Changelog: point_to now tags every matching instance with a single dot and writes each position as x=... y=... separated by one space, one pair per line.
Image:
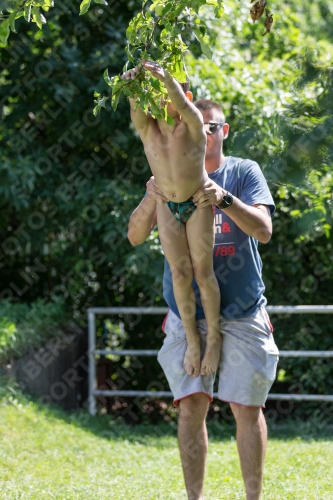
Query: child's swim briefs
x=183 y=210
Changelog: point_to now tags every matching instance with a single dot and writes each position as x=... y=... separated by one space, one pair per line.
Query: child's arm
x=138 y=116
x=183 y=105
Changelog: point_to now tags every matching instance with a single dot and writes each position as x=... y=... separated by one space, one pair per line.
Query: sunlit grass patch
x=46 y=453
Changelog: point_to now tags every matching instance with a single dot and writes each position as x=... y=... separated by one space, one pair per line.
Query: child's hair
x=206 y=105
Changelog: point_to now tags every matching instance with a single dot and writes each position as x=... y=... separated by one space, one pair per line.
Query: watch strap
x=227 y=200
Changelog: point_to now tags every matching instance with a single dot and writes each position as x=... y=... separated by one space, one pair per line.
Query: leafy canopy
x=163 y=33
x=10 y=10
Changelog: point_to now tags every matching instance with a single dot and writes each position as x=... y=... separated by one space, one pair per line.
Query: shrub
x=25 y=328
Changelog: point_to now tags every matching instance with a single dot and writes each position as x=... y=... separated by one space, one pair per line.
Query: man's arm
x=183 y=105
x=253 y=220
x=143 y=219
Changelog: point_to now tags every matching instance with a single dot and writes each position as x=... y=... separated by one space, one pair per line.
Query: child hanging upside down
x=176 y=156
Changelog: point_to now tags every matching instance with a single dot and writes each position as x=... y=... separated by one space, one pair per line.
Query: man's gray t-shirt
x=237 y=262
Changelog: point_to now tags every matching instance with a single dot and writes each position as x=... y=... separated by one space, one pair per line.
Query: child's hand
x=156 y=70
x=131 y=74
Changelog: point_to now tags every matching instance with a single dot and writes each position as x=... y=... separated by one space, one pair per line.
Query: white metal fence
x=93 y=311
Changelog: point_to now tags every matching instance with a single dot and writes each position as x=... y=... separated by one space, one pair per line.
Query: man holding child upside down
x=176 y=155
x=242 y=204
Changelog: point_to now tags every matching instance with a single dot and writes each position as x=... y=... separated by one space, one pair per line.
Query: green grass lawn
x=48 y=454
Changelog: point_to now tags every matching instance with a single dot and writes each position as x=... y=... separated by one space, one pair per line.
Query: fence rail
x=93 y=392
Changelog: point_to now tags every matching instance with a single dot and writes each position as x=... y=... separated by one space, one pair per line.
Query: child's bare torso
x=176 y=156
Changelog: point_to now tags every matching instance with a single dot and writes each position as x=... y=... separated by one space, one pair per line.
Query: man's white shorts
x=248 y=360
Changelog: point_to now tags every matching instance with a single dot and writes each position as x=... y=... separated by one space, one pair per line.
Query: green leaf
x=130 y=53
x=219 y=10
x=165 y=113
x=117 y=86
x=196 y=4
x=153 y=5
x=155 y=110
x=167 y=9
x=134 y=86
x=38 y=17
x=144 y=102
x=295 y=213
x=84 y=6
x=204 y=43
x=27 y=13
x=128 y=92
x=178 y=10
x=156 y=84
x=11 y=20
x=178 y=72
x=129 y=32
x=170 y=120
x=107 y=79
x=96 y=110
x=46 y=4
x=327 y=229
x=4 y=31
x=115 y=100
x=102 y=2
x=116 y=83
x=100 y=103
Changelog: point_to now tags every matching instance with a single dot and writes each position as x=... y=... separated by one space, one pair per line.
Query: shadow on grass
x=104 y=426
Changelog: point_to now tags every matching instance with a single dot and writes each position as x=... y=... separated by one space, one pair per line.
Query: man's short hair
x=206 y=105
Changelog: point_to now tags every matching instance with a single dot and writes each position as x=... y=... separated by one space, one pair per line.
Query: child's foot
x=192 y=359
x=211 y=358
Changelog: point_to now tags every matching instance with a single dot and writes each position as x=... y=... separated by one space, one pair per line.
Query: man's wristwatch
x=226 y=201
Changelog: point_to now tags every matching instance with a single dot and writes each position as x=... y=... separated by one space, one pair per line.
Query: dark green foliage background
x=277 y=93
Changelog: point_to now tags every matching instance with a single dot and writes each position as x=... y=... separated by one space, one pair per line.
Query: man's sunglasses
x=210 y=128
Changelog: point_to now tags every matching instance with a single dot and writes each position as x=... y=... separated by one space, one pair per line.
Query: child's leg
x=176 y=251
x=200 y=238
